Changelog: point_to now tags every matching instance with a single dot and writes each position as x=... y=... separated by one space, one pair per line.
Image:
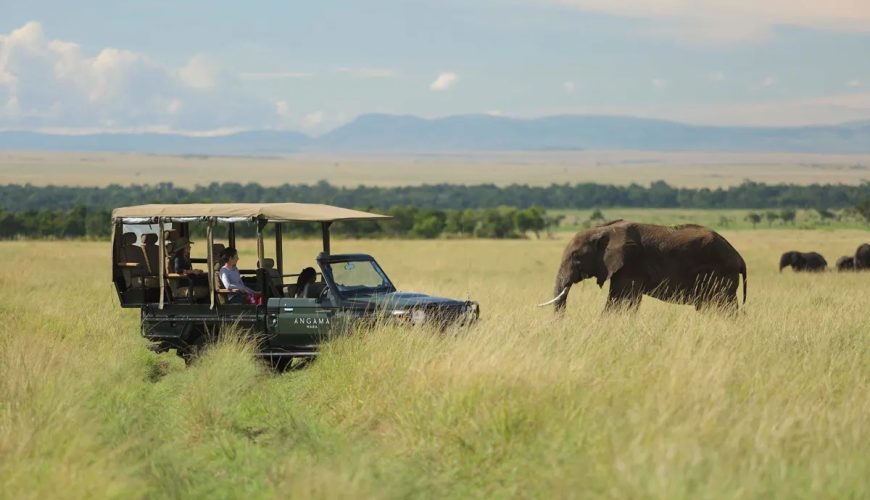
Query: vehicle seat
x=179 y=285
x=151 y=253
x=216 y=250
x=221 y=292
x=170 y=236
x=275 y=282
x=134 y=277
x=195 y=293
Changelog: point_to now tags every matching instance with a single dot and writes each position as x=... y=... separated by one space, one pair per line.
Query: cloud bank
x=736 y=20
x=47 y=83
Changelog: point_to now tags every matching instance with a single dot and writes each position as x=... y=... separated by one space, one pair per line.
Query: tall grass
x=663 y=403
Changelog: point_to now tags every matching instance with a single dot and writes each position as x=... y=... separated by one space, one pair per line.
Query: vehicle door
x=298 y=322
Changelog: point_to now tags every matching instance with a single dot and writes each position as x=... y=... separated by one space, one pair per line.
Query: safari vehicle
x=177 y=313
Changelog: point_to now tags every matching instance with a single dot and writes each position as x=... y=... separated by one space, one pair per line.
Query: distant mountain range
x=392 y=133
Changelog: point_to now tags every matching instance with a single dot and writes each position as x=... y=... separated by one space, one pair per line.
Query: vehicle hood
x=399 y=300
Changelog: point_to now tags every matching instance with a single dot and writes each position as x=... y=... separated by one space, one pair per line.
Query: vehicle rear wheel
x=188 y=354
x=281 y=363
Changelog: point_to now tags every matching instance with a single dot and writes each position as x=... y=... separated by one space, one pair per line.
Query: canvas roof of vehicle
x=310 y=212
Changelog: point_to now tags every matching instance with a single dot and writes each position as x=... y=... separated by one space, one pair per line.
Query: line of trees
x=78 y=222
x=501 y=222
x=749 y=195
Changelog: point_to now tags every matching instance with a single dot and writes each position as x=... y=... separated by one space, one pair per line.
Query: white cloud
x=47 y=83
x=768 y=81
x=283 y=109
x=569 y=87
x=173 y=107
x=198 y=73
x=313 y=119
x=12 y=107
x=368 y=72
x=735 y=20
x=276 y=75
x=716 y=76
x=658 y=83
x=444 y=82
x=853 y=83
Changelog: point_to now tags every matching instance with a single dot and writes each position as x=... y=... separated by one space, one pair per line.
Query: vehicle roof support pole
x=210 y=271
x=261 y=251
x=325 y=227
x=231 y=235
x=161 y=256
x=279 y=247
x=116 y=251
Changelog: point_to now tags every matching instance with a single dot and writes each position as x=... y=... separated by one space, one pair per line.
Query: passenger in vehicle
x=180 y=263
x=304 y=281
x=231 y=278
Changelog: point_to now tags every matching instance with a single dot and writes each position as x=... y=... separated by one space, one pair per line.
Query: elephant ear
x=613 y=245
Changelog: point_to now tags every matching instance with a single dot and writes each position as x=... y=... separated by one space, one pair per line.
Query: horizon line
x=231 y=131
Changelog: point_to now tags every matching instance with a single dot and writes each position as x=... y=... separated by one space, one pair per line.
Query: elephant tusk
x=557 y=297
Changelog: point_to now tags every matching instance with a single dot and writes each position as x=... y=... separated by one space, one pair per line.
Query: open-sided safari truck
x=179 y=312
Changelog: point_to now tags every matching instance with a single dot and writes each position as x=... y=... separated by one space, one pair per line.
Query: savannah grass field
x=720 y=219
x=540 y=168
x=662 y=403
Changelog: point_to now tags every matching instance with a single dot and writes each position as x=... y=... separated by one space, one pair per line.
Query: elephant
x=862 y=257
x=846 y=263
x=803 y=261
x=686 y=264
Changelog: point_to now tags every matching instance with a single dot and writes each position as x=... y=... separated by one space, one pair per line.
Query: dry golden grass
x=685 y=169
x=663 y=403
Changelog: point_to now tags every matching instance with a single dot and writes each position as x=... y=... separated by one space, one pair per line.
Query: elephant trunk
x=564 y=280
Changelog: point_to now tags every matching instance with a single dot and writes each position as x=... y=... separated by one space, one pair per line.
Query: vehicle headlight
x=413 y=316
x=418 y=316
x=472 y=312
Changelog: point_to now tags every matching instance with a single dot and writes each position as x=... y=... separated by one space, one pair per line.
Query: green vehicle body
x=351 y=290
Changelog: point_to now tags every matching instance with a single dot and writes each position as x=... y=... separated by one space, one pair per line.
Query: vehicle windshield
x=359 y=276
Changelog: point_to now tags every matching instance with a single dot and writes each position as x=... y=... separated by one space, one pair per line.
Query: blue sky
x=211 y=67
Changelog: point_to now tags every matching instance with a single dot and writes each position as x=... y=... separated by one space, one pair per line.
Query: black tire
x=281 y=363
x=189 y=354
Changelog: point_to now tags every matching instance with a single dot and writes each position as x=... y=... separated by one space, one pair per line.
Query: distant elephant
x=846 y=263
x=803 y=261
x=686 y=264
x=862 y=257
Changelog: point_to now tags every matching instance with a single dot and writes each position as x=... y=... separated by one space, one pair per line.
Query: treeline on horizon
x=406 y=222
x=429 y=211
x=659 y=194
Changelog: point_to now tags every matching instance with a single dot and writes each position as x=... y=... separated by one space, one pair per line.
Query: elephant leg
x=624 y=295
x=721 y=303
x=718 y=292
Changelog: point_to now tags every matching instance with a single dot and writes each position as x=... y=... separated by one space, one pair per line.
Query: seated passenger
x=304 y=281
x=232 y=279
x=180 y=264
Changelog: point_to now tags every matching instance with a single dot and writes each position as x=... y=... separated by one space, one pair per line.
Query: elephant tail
x=743 y=273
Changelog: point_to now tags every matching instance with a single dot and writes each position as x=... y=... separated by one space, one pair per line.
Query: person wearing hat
x=180 y=263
